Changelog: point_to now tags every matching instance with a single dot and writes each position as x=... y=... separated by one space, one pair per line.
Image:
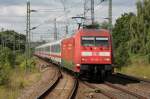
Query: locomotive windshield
x=88 y=41
x=95 y=41
x=101 y=41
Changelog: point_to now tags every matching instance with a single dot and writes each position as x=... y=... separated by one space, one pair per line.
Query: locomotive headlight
x=83 y=59
x=107 y=59
x=77 y=64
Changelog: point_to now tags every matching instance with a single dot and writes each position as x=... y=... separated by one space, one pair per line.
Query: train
x=87 y=53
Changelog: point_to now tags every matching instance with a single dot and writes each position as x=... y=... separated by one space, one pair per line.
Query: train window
x=52 y=48
x=101 y=41
x=47 y=49
x=88 y=41
x=55 y=48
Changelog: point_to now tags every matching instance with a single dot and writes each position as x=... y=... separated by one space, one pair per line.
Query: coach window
x=88 y=41
x=52 y=48
x=47 y=48
x=101 y=41
x=57 y=48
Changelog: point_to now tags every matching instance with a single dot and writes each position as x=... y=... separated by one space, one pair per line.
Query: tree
x=133 y=31
x=121 y=37
x=10 y=38
x=5 y=64
x=140 y=29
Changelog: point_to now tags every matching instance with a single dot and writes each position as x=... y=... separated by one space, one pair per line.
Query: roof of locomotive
x=84 y=30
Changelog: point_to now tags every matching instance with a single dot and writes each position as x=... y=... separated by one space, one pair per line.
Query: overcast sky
x=12 y=12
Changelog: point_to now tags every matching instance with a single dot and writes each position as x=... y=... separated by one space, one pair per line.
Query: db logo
x=95 y=53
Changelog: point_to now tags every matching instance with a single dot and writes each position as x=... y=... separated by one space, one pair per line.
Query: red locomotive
x=88 y=52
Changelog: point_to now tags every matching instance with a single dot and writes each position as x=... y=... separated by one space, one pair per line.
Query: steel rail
x=124 y=90
x=74 y=89
x=53 y=84
x=100 y=90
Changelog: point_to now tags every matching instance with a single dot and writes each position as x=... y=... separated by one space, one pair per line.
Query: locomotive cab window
x=94 y=41
x=101 y=41
x=88 y=41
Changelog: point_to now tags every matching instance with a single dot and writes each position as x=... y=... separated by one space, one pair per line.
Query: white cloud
x=13 y=10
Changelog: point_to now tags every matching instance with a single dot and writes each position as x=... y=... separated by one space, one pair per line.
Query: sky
x=13 y=14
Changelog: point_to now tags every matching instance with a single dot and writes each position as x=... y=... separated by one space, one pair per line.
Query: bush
x=6 y=61
x=6 y=56
x=121 y=56
x=29 y=64
x=4 y=74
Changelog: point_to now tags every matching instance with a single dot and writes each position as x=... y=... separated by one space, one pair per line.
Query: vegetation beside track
x=14 y=79
x=17 y=82
x=139 y=67
x=131 y=35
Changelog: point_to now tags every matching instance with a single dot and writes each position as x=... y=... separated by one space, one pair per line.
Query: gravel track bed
x=85 y=92
x=115 y=92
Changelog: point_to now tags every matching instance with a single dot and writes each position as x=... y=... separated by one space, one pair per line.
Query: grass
x=7 y=93
x=17 y=83
x=139 y=67
x=136 y=70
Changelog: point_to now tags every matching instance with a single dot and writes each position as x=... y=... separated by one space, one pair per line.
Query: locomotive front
x=95 y=53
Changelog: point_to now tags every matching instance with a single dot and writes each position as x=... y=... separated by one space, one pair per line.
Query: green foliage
x=121 y=33
x=131 y=34
x=122 y=56
x=6 y=56
x=11 y=38
x=140 y=29
x=5 y=64
x=28 y=65
x=4 y=74
x=121 y=36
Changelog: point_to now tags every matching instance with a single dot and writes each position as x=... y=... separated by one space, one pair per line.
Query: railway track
x=137 y=87
x=64 y=88
x=63 y=85
x=138 y=96
x=112 y=91
x=99 y=90
x=114 y=88
x=52 y=84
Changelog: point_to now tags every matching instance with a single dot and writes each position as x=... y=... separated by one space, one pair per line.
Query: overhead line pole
x=66 y=25
x=92 y=12
x=110 y=15
x=27 y=34
x=29 y=29
x=14 y=51
x=85 y=11
x=55 y=29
